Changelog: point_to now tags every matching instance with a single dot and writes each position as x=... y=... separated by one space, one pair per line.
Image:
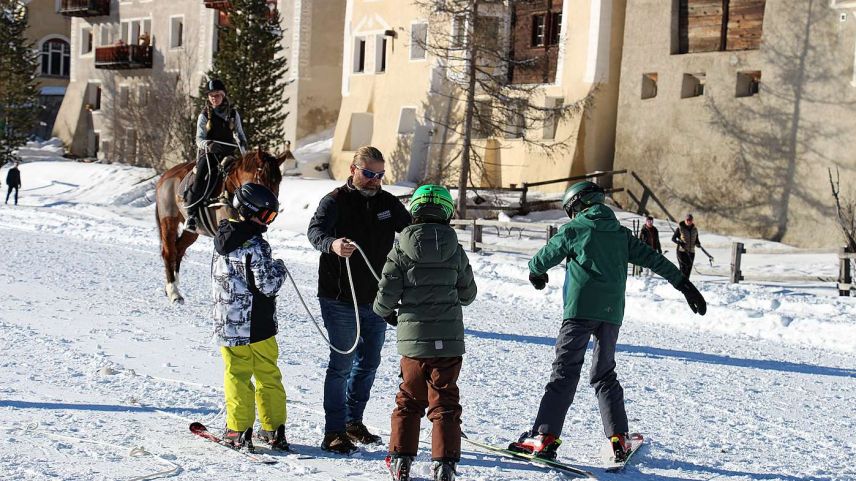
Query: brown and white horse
x=255 y=166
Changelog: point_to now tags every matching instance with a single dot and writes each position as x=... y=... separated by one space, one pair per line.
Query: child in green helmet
x=427 y=278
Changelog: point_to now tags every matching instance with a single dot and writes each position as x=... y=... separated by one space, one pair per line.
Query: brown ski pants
x=428 y=383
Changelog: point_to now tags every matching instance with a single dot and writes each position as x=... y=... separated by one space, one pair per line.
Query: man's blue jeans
x=350 y=377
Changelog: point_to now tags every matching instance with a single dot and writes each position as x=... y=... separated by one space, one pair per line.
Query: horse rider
x=219 y=134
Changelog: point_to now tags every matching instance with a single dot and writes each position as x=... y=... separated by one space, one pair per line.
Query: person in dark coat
x=362 y=213
x=649 y=235
x=686 y=237
x=13 y=180
x=219 y=134
x=426 y=279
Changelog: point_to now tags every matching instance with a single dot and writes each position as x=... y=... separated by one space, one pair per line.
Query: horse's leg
x=181 y=245
x=169 y=252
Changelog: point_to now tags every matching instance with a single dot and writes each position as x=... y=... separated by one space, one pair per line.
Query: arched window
x=56 y=58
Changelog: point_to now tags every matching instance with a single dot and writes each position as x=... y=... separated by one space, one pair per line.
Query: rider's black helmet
x=255 y=200
x=215 y=84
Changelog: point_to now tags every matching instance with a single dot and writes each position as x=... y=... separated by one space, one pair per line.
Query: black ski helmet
x=581 y=196
x=215 y=84
x=255 y=200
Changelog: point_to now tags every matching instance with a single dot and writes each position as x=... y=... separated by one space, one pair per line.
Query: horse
x=255 y=166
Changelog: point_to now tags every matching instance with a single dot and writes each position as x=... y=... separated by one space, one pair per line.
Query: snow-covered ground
x=100 y=375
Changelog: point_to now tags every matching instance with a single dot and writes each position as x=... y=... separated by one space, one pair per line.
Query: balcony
x=120 y=57
x=218 y=4
x=84 y=8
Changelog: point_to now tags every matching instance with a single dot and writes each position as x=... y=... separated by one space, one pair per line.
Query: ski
x=572 y=471
x=612 y=466
x=200 y=430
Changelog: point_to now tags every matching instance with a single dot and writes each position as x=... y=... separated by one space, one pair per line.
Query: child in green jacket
x=427 y=277
x=597 y=249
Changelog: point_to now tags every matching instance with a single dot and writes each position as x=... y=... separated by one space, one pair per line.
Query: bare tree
x=154 y=121
x=477 y=102
x=846 y=210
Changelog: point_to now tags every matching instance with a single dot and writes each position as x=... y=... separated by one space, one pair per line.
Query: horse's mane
x=266 y=164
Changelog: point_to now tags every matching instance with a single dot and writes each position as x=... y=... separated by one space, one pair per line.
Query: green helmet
x=581 y=196
x=432 y=201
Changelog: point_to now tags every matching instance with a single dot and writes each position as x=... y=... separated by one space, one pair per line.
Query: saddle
x=216 y=196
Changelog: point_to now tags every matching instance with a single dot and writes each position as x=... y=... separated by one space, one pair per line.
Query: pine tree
x=250 y=64
x=19 y=106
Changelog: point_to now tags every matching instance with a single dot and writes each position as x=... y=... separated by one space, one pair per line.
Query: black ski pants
x=206 y=163
x=559 y=394
x=10 y=192
x=685 y=262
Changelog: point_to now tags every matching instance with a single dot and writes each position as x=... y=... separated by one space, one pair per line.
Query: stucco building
x=49 y=32
x=734 y=110
x=147 y=55
x=393 y=89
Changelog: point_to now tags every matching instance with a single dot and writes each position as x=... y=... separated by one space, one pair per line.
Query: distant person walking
x=13 y=180
x=650 y=237
x=686 y=237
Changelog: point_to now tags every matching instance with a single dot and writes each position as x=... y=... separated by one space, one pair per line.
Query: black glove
x=392 y=319
x=694 y=297
x=538 y=281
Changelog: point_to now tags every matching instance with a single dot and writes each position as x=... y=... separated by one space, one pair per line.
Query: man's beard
x=368 y=192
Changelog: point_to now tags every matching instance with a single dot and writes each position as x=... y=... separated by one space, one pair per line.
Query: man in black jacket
x=358 y=212
x=13 y=180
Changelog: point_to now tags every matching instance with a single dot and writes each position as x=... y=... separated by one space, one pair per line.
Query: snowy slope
x=97 y=362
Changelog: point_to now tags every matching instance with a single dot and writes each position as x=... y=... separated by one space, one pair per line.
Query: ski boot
x=620 y=446
x=274 y=439
x=399 y=466
x=359 y=433
x=542 y=445
x=239 y=440
x=444 y=471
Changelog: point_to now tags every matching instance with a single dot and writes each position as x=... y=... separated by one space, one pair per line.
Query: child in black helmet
x=246 y=279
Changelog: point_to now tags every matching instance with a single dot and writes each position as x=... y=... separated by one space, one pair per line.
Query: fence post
x=523 y=200
x=637 y=270
x=477 y=236
x=551 y=231
x=737 y=252
x=844 y=278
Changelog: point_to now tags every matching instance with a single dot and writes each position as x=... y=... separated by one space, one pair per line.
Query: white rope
x=353 y=297
x=134 y=452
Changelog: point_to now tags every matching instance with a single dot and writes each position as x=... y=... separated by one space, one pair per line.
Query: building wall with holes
x=736 y=114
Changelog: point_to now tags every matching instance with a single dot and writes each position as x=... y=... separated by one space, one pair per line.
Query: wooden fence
x=844 y=280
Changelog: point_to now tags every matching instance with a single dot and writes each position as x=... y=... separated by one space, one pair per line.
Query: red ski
x=200 y=430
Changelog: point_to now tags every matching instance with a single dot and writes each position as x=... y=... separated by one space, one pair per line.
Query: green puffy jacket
x=597 y=249
x=427 y=277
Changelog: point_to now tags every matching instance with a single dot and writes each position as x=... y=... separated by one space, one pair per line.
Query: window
x=176 y=32
x=555 y=28
x=551 y=121
x=418 y=40
x=137 y=32
x=516 y=118
x=380 y=54
x=123 y=96
x=459 y=31
x=539 y=30
x=482 y=121
x=85 y=40
x=359 y=55
x=143 y=94
x=56 y=58
x=711 y=26
x=105 y=36
x=649 y=85
x=693 y=85
x=748 y=83
x=93 y=96
x=407 y=121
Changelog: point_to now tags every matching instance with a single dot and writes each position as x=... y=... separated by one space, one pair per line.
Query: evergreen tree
x=249 y=62
x=19 y=106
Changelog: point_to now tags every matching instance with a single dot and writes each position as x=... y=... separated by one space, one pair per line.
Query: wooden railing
x=844 y=280
x=84 y=8
x=123 y=57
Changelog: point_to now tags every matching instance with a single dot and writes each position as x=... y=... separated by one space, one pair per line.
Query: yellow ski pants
x=242 y=363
